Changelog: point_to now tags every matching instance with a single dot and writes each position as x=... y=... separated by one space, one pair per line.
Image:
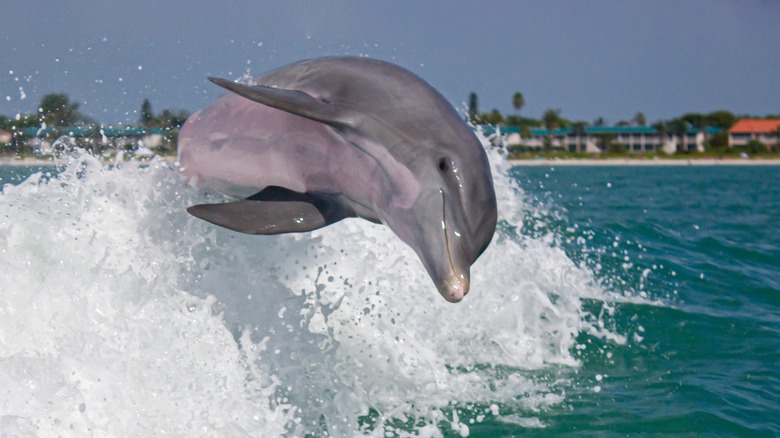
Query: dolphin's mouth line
x=444 y=230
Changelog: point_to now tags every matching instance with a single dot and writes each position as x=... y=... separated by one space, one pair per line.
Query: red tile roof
x=757 y=126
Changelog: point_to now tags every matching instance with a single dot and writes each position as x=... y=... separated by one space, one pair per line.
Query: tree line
x=57 y=110
x=552 y=119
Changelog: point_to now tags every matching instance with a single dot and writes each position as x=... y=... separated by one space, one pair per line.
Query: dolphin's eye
x=445 y=164
x=452 y=174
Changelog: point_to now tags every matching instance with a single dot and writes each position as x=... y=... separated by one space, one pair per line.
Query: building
x=763 y=130
x=597 y=139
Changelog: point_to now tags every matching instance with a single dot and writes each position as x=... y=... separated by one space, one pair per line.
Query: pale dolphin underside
x=325 y=139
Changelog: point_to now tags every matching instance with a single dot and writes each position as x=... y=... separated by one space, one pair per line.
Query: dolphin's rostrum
x=324 y=139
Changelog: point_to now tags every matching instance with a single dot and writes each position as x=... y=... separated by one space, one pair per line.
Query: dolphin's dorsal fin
x=275 y=210
x=292 y=101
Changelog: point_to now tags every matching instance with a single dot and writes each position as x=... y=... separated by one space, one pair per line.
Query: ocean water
x=702 y=244
x=613 y=301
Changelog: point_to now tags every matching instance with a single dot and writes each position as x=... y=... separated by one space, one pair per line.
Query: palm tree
x=551 y=120
x=147 y=115
x=57 y=110
x=518 y=101
x=473 y=109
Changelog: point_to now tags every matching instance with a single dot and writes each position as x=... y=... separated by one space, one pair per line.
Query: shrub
x=756 y=147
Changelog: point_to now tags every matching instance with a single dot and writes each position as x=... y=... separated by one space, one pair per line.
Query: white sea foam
x=120 y=315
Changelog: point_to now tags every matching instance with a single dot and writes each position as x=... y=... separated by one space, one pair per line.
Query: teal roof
x=87 y=132
x=560 y=132
x=647 y=130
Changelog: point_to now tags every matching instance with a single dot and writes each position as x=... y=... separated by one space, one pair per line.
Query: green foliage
x=756 y=147
x=16 y=127
x=147 y=115
x=719 y=141
x=517 y=149
x=473 y=107
x=678 y=127
x=662 y=128
x=515 y=120
x=578 y=128
x=494 y=117
x=518 y=101
x=552 y=119
x=56 y=109
x=693 y=119
x=167 y=119
x=172 y=119
x=617 y=148
x=58 y=112
x=722 y=119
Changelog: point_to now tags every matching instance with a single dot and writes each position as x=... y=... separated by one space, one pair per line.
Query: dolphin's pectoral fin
x=275 y=210
x=292 y=101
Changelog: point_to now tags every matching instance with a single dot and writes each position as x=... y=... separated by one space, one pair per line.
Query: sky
x=586 y=58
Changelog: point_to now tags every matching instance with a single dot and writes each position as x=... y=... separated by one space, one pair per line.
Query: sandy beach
x=648 y=162
x=5 y=161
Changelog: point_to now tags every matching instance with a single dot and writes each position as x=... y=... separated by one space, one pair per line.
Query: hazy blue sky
x=587 y=58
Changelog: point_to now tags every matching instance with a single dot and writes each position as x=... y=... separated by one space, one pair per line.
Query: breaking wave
x=121 y=315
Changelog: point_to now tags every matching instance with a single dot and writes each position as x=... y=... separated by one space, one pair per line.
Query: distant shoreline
x=30 y=162
x=59 y=162
x=648 y=162
x=529 y=163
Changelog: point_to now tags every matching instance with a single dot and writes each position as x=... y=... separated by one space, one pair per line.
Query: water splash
x=122 y=315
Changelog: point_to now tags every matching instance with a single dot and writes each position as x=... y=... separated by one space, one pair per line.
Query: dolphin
x=330 y=138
